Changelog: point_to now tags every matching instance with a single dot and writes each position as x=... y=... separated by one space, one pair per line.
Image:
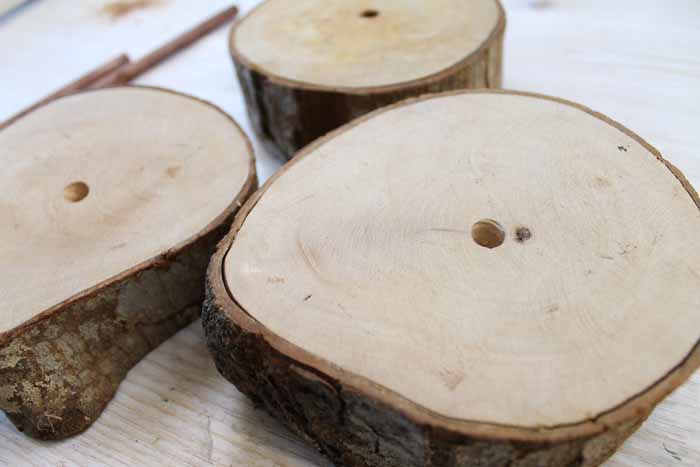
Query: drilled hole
x=76 y=191
x=488 y=233
x=369 y=14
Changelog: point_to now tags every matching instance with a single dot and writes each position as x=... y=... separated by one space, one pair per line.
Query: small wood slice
x=309 y=66
x=477 y=278
x=113 y=202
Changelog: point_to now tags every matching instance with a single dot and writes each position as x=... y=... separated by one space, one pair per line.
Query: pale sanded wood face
x=96 y=183
x=364 y=253
x=360 y=43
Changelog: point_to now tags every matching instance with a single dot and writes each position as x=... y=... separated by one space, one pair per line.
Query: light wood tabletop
x=637 y=61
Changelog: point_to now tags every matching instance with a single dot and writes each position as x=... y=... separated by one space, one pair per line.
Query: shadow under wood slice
x=308 y=68
x=464 y=279
x=111 y=233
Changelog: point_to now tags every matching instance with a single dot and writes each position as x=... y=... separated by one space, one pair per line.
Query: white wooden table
x=638 y=61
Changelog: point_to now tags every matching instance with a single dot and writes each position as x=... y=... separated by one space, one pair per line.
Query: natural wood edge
x=267 y=368
x=353 y=428
x=60 y=369
x=287 y=115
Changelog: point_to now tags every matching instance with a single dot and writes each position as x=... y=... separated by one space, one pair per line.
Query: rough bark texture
x=286 y=117
x=58 y=373
x=353 y=430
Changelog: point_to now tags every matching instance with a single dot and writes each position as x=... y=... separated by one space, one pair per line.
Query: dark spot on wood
x=173 y=171
x=672 y=453
x=602 y=182
x=119 y=9
x=307 y=298
x=369 y=13
x=628 y=248
x=118 y=247
x=522 y=234
x=622 y=148
x=610 y=258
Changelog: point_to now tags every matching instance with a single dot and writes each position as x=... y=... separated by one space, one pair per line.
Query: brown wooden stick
x=106 y=69
x=139 y=67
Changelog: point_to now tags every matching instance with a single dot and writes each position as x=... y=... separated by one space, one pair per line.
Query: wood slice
x=476 y=278
x=310 y=66
x=113 y=202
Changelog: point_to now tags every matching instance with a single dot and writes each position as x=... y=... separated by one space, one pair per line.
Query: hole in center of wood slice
x=76 y=192
x=488 y=233
x=369 y=13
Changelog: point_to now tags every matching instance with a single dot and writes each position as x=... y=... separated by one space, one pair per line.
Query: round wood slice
x=112 y=203
x=477 y=278
x=306 y=67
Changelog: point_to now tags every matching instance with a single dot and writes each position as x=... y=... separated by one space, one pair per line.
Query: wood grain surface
x=634 y=60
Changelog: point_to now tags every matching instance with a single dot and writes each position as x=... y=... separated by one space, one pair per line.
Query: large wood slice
x=471 y=279
x=112 y=203
x=309 y=66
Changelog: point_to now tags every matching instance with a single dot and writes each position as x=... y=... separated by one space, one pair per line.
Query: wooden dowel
x=139 y=67
x=84 y=82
